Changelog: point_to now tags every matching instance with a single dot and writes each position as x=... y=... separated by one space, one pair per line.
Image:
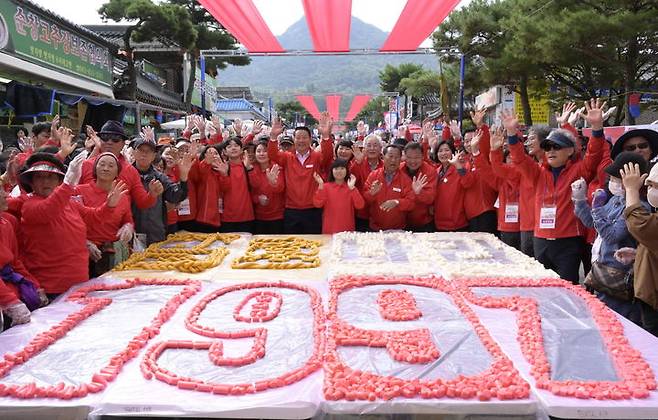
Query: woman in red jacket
x=267 y=183
x=107 y=242
x=338 y=197
x=209 y=185
x=53 y=227
x=20 y=293
x=238 y=211
x=452 y=181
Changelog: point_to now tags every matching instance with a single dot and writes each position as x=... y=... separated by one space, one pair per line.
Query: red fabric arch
x=243 y=20
x=358 y=103
x=329 y=24
x=308 y=103
x=418 y=20
x=333 y=106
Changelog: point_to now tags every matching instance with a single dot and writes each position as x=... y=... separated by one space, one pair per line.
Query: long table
x=93 y=341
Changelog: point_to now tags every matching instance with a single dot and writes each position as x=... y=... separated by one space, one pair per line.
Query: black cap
x=650 y=135
x=138 y=141
x=624 y=158
x=558 y=137
x=113 y=129
x=286 y=139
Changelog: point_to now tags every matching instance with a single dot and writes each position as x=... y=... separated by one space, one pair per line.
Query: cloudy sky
x=279 y=14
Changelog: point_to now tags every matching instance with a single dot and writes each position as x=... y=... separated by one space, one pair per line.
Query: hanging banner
x=36 y=37
x=539 y=108
x=210 y=90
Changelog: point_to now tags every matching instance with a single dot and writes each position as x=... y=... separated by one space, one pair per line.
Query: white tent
x=174 y=125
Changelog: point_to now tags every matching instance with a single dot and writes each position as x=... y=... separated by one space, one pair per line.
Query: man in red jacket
x=300 y=215
x=388 y=193
x=112 y=138
x=423 y=183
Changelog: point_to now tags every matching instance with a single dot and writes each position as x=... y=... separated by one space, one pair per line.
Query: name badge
x=512 y=213
x=547 y=216
x=309 y=166
x=395 y=189
x=184 y=208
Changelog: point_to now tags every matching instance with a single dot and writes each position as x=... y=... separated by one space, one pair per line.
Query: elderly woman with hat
x=54 y=227
x=609 y=277
x=113 y=138
x=107 y=242
x=643 y=225
x=642 y=141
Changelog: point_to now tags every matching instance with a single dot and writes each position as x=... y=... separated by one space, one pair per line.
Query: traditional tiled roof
x=114 y=35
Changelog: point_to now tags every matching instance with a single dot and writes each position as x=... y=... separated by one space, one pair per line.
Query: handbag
x=611 y=281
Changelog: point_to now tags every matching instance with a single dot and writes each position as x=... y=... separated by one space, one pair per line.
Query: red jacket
x=558 y=194
x=129 y=175
x=339 y=203
x=508 y=191
x=361 y=171
x=449 y=213
x=420 y=215
x=172 y=211
x=276 y=197
x=399 y=189
x=300 y=184
x=53 y=235
x=482 y=196
x=9 y=294
x=237 y=199
x=526 y=190
x=94 y=196
x=209 y=184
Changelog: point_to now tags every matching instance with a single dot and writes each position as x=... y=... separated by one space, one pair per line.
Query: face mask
x=616 y=188
x=652 y=196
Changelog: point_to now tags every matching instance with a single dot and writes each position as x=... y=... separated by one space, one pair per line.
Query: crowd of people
x=74 y=209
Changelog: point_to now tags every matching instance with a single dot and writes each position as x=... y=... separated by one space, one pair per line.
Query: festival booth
x=225 y=325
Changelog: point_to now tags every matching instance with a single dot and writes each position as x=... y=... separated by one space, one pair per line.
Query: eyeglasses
x=632 y=147
x=113 y=140
x=551 y=146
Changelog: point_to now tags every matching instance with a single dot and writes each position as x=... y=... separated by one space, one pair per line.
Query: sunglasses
x=551 y=146
x=632 y=147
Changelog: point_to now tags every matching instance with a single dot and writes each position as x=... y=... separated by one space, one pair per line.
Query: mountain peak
x=362 y=36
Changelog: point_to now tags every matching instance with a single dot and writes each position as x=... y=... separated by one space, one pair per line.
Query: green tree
x=391 y=77
x=292 y=111
x=480 y=32
x=211 y=35
x=586 y=47
x=148 y=21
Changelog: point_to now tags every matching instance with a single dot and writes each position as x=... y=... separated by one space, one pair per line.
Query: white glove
x=74 y=172
x=18 y=313
x=126 y=232
x=94 y=253
x=579 y=190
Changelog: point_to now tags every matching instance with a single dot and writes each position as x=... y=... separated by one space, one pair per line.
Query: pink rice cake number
x=412 y=346
x=258 y=306
x=398 y=305
x=636 y=377
x=92 y=305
